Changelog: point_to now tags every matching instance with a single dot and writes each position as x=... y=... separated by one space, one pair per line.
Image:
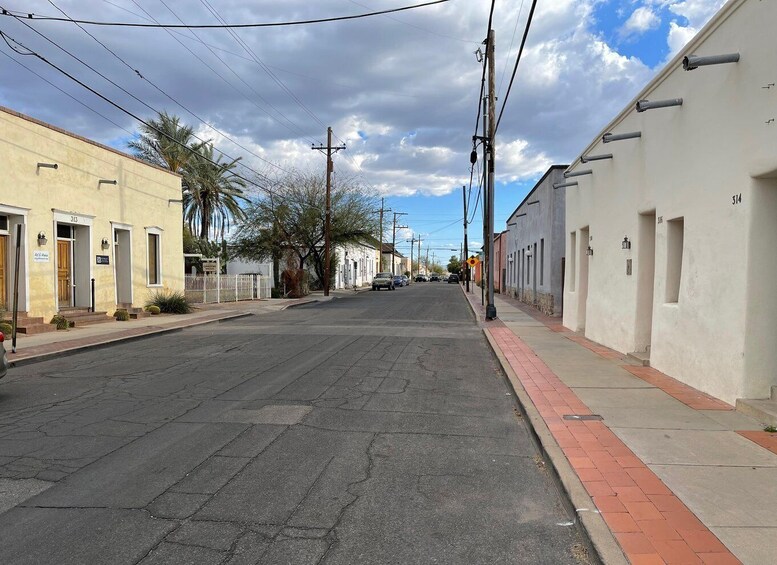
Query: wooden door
x=3 y=271
x=63 y=273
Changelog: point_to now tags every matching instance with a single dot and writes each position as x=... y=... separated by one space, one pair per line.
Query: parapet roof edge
x=84 y=139
x=537 y=185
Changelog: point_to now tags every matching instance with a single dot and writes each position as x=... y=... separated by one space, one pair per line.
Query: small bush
x=170 y=302
x=153 y=310
x=275 y=292
x=6 y=328
x=60 y=321
x=121 y=315
x=770 y=429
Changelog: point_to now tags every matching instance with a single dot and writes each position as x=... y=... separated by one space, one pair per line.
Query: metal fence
x=210 y=289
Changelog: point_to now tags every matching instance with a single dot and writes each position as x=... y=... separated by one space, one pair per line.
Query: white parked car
x=3 y=358
x=383 y=280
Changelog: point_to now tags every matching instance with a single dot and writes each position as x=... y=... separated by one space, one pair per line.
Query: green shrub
x=6 y=328
x=153 y=310
x=169 y=302
x=275 y=293
x=60 y=321
x=121 y=315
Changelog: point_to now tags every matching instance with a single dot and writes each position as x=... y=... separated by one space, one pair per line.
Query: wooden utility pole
x=465 y=255
x=328 y=219
x=394 y=238
x=380 y=251
x=490 y=306
x=419 y=255
x=412 y=244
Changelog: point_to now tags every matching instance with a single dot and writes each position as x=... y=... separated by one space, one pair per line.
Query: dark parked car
x=420 y=278
x=398 y=280
x=3 y=358
x=435 y=278
x=453 y=279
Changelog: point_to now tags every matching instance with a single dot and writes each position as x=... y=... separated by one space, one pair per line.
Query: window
x=675 y=235
x=542 y=262
x=3 y=223
x=154 y=265
x=572 y=260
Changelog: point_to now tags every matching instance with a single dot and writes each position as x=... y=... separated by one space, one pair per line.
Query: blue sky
x=399 y=90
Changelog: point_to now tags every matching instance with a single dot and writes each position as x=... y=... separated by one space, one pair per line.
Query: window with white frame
x=154 y=256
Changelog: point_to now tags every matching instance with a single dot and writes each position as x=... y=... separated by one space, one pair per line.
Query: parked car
x=3 y=358
x=453 y=279
x=405 y=280
x=434 y=278
x=420 y=278
x=383 y=280
x=398 y=280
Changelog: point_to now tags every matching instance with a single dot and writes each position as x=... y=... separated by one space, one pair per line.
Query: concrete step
x=134 y=312
x=83 y=317
x=642 y=357
x=32 y=329
x=30 y=325
x=764 y=410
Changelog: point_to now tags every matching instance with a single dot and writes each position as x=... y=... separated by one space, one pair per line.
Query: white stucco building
x=356 y=266
x=696 y=197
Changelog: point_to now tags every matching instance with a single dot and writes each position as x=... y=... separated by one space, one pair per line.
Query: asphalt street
x=375 y=428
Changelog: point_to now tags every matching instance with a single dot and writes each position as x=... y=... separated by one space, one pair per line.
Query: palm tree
x=165 y=143
x=212 y=198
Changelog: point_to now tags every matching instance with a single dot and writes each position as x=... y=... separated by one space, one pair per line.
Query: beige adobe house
x=671 y=214
x=87 y=213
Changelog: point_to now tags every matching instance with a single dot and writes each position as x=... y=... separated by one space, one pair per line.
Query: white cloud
x=641 y=20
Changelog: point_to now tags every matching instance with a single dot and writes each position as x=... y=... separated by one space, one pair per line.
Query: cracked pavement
x=375 y=428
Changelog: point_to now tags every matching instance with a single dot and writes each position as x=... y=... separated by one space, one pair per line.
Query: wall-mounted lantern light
x=625 y=244
x=643 y=105
x=589 y=251
x=568 y=174
x=587 y=158
x=106 y=181
x=48 y=166
x=564 y=184
x=691 y=62
x=528 y=252
x=608 y=137
x=104 y=243
x=42 y=238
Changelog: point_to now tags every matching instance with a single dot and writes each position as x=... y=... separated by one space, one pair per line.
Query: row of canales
x=660 y=237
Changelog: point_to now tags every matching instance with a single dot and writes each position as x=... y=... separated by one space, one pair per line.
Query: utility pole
x=328 y=219
x=465 y=255
x=394 y=238
x=490 y=306
x=427 y=258
x=419 y=255
x=412 y=244
x=380 y=251
x=482 y=266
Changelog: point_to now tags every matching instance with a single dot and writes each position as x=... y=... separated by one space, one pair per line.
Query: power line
x=160 y=90
x=512 y=40
x=30 y=16
x=30 y=52
x=517 y=60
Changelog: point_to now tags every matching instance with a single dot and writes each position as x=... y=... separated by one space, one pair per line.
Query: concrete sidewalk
x=51 y=344
x=670 y=474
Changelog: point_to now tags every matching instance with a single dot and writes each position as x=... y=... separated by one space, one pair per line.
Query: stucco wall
x=539 y=217
x=71 y=193
x=692 y=162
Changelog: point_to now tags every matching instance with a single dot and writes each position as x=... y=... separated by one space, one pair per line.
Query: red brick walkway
x=651 y=524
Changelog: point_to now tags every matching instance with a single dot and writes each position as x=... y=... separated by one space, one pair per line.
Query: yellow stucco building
x=87 y=213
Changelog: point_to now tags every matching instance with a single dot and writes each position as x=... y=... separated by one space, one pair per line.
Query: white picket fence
x=210 y=289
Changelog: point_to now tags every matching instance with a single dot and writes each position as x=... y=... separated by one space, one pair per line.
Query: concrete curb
x=593 y=525
x=109 y=342
x=602 y=539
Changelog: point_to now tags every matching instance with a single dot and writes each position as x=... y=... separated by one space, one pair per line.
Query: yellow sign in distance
x=472 y=261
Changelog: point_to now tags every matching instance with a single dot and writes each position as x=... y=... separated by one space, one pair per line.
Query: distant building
x=90 y=215
x=356 y=267
x=671 y=241
x=535 y=245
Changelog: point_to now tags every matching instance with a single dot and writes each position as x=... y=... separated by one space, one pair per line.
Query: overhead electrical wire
x=512 y=40
x=517 y=61
x=31 y=16
x=164 y=93
x=30 y=52
x=87 y=65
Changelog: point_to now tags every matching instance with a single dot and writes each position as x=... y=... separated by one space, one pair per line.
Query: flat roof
x=84 y=139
